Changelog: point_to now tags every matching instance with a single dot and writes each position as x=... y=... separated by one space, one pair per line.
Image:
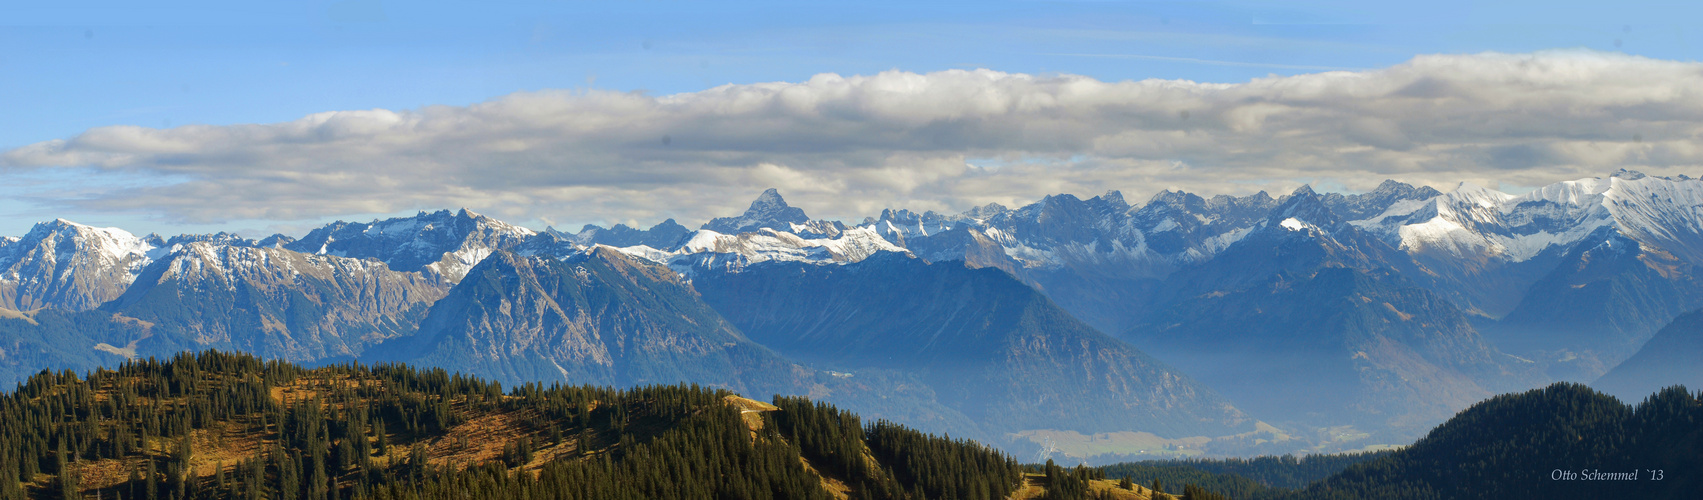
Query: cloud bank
x=845 y=147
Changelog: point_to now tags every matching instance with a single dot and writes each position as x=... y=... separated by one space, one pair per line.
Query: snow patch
x=706 y=246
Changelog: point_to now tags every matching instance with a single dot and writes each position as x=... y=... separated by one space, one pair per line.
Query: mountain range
x=1343 y=320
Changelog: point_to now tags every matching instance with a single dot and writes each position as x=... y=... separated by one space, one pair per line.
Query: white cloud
x=844 y=147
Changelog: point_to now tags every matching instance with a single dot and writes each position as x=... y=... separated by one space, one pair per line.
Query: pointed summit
x=1368 y=205
x=1306 y=206
x=1176 y=200
x=769 y=210
x=770 y=197
x=1628 y=175
x=986 y=211
x=1115 y=197
x=664 y=235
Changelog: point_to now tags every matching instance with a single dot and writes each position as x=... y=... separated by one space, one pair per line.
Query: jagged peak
x=770 y=196
x=1390 y=186
x=986 y=211
x=1306 y=206
x=1168 y=194
x=1178 y=198
x=276 y=240
x=1113 y=197
x=1630 y=175
x=1304 y=190
x=221 y=237
x=903 y=214
x=768 y=210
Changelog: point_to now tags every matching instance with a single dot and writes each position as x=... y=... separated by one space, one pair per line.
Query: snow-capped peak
x=109 y=244
x=706 y=248
x=1477 y=222
x=446 y=243
x=1467 y=193
x=64 y=264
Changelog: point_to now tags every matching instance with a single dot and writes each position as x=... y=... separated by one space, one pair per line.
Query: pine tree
x=153 y=487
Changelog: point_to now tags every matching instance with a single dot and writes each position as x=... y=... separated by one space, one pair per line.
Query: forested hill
x=217 y=425
x=1563 y=441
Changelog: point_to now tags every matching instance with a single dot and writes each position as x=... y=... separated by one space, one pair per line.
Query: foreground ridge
x=216 y=425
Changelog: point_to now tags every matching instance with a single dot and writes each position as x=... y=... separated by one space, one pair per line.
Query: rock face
x=983 y=343
x=65 y=265
x=441 y=244
x=1669 y=358
x=272 y=302
x=598 y=318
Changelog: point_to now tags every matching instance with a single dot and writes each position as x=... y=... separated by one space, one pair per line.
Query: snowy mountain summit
x=442 y=243
x=63 y=264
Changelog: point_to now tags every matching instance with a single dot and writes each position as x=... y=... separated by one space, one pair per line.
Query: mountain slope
x=1527 y=260
x=1302 y=320
x=1541 y=444
x=272 y=302
x=1097 y=256
x=595 y=318
x=1669 y=358
x=987 y=345
x=65 y=265
x=55 y=340
x=1607 y=296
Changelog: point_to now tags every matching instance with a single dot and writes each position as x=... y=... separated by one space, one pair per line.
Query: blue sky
x=68 y=67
